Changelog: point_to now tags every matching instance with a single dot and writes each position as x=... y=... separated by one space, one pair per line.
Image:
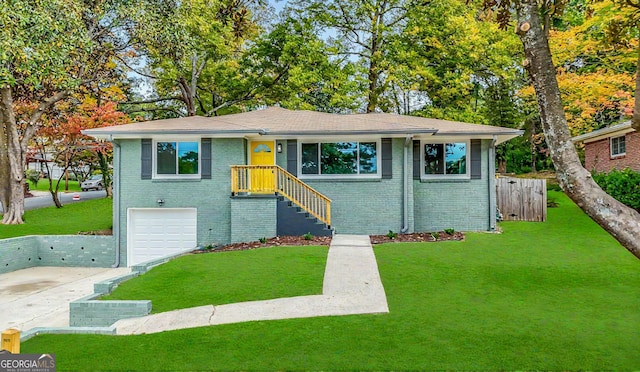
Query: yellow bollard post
x=11 y=341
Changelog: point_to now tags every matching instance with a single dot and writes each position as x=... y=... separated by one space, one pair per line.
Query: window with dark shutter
x=146 y=160
x=292 y=157
x=387 y=158
x=476 y=159
x=205 y=171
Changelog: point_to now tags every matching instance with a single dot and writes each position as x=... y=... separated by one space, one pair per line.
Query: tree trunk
x=13 y=160
x=103 y=162
x=4 y=163
x=622 y=222
x=13 y=152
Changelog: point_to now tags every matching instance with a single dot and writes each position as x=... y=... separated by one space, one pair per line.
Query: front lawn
x=43 y=185
x=560 y=295
x=87 y=215
x=222 y=278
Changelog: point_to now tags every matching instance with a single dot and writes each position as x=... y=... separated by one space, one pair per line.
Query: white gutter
x=116 y=200
x=405 y=188
x=492 y=184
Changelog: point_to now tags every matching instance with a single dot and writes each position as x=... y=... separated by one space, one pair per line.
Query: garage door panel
x=160 y=232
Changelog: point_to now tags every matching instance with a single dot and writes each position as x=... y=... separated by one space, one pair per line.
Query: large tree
x=620 y=221
x=189 y=52
x=39 y=61
x=50 y=49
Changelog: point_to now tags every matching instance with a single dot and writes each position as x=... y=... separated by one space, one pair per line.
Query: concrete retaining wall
x=56 y=250
x=89 y=312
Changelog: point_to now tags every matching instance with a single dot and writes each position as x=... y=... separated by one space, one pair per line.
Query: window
x=339 y=158
x=445 y=159
x=177 y=159
x=618 y=146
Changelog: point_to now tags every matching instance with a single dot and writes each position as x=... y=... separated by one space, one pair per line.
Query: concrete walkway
x=351 y=285
x=40 y=296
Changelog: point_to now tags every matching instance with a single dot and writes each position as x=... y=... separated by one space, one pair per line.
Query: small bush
x=308 y=236
x=623 y=185
x=435 y=235
x=450 y=231
x=392 y=235
x=33 y=176
x=263 y=240
x=552 y=202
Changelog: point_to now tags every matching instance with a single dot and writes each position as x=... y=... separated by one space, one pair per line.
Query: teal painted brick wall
x=76 y=250
x=281 y=158
x=366 y=206
x=459 y=204
x=210 y=197
x=88 y=312
x=18 y=253
x=56 y=250
x=253 y=218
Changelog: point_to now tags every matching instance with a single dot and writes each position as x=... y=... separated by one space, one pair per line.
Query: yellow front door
x=263 y=153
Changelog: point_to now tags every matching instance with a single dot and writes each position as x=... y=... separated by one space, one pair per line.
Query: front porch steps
x=292 y=220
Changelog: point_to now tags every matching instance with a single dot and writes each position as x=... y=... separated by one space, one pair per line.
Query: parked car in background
x=92 y=183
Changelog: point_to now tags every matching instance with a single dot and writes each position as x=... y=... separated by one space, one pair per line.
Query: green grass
x=222 y=278
x=43 y=185
x=560 y=295
x=70 y=219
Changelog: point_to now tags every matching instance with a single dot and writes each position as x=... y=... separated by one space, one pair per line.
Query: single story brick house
x=614 y=147
x=196 y=180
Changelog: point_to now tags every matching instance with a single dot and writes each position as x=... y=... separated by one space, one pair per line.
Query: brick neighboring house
x=614 y=147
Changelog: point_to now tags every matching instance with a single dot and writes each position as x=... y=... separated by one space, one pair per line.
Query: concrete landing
x=351 y=285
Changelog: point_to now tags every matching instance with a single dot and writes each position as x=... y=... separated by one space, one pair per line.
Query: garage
x=155 y=233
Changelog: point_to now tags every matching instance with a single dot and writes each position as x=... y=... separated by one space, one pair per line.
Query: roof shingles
x=276 y=120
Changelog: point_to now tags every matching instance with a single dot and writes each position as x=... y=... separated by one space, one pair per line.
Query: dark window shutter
x=387 y=159
x=205 y=155
x=476 y=159
x=416 y=160
x=292 y=157
x=146 y=159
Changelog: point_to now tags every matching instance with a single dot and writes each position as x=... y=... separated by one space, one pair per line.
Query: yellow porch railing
x=263 y=179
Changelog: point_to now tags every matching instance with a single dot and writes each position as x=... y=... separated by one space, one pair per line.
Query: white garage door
x=159 y=232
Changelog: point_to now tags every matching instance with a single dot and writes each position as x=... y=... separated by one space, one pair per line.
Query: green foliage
x=259 y=274
x=450 y=231
x=623 y=185
x=263 y=240
x=392 y=235
x=307 y=236
x=39 y=42
x=435 y=235
x=33 y=176
x=491 y=302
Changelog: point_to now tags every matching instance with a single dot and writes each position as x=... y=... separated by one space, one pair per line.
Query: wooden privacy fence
x=522 y=199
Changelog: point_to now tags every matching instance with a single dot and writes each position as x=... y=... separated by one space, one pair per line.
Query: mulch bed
x=326 y=240
x=417 y=237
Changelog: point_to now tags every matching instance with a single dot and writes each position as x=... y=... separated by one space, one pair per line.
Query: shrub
x=392 y=235
x=435 y=235
x=33 y=176
x=307 y=236
x=263 y=240
x=623 y=185
x=450 y=231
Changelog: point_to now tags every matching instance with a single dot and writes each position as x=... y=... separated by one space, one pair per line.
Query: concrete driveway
x=40 y=296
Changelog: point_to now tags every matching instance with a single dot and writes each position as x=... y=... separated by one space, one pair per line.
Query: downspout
x=405 y=186
x=492 y=184
x=116 y=201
